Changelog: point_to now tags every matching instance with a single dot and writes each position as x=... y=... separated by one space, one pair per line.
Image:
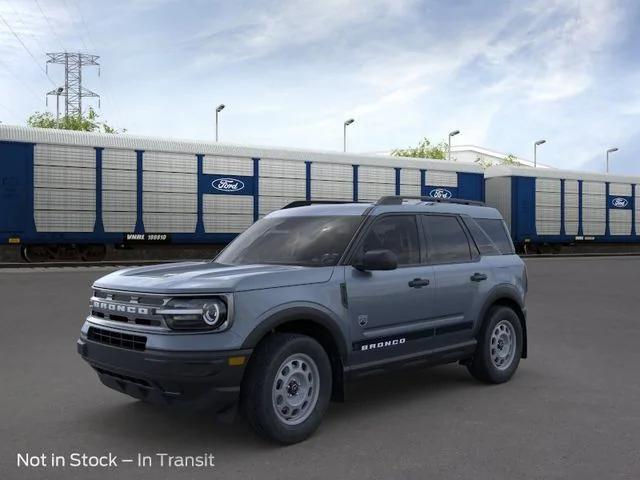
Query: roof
x=159 y=144
x=355 y=209
x=508 y=171
x=493 y=153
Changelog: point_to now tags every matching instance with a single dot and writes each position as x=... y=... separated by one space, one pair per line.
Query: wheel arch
x=507 y=295
x=314 y=323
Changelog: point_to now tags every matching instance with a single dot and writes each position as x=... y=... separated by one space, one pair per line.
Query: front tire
x=287 y=387
x=499 y=347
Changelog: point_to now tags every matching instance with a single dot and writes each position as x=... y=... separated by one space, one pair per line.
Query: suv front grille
x=131 y=308
x=117 y=339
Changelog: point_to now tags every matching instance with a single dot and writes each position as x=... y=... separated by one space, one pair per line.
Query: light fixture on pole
x=344 y=135
x=535 y=152
x=59 y=91
x=611 y=150
x=451 y=134
x=218 y=110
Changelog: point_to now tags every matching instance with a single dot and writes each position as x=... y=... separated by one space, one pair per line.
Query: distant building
x=471 y=154
x=475 y=154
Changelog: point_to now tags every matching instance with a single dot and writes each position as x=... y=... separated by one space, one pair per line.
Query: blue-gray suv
x=310 y=297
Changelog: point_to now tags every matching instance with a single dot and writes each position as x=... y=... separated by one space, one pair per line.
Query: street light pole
x=611 y=150
x=219 y=108
x=59 y=90
x=535 y=152
x=451 y=134
x=344 y=133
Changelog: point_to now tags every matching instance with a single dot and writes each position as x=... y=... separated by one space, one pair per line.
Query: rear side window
x=497 y=232
x=446 y=240
x=483 y=242
x=397 y=233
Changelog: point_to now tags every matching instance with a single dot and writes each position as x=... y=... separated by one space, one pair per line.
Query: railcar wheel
x=40 y=253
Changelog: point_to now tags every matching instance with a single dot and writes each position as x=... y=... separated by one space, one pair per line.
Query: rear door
x=13 y=186
x=461 y=275
x=389 y=310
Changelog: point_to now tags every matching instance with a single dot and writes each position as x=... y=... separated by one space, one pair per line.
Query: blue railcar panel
x=471 y=186
x=99 y=226
x=580 y=230
x=620 y=202
x=256 y=189
x=16 y=184
x=139 y=193
x=607 y=230
x=562 y=202
x=227 y=184
x=523 y=208
x=437 y=191
x=200 y=222
x=633 y=210
x=355 y=183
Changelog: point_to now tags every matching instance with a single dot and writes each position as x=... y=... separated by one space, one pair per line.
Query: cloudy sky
x=505 y=73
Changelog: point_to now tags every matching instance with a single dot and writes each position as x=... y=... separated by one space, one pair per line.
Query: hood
x=209 y=277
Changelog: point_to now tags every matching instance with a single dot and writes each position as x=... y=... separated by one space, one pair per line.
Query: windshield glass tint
x=309 y=241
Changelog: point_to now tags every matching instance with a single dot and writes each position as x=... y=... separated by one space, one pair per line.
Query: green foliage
x=425 y=149
x=85 y=123
x=510 y=159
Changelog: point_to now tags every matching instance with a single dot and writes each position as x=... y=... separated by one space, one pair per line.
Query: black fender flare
x=316 y=314
x=510 y=294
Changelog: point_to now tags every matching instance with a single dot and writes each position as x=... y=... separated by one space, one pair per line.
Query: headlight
x=195 y=314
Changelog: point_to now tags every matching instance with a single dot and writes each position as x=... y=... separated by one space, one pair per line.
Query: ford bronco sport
x=308 y=298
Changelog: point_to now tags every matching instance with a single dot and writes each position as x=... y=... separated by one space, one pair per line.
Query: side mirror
x=377 y=260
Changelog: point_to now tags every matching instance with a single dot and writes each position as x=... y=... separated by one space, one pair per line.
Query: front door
x=389 y=310
x=460 y=276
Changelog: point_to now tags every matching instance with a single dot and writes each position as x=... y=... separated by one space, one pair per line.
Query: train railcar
x=82 y=191
x=548 y=207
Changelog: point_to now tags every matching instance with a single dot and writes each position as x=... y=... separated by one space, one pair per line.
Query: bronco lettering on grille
x=120 y=308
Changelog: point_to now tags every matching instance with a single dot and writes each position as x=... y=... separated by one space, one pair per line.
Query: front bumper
x=188 y=379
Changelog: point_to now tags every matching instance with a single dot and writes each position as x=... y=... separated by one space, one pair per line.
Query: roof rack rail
x=306 y=203
x=398 y=199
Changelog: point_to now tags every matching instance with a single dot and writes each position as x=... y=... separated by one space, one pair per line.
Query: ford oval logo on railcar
x=619 y=202
x=440 y=193
x=227 y=184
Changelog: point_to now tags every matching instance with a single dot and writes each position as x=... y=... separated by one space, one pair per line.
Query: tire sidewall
x=272 y=425
x=496 y=315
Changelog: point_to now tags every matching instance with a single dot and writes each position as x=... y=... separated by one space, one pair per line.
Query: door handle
x=478 y=277
x=419 y=283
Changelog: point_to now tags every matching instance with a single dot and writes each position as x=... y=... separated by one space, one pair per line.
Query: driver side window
x=398 y=233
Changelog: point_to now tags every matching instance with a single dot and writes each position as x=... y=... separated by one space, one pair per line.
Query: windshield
x=309 y=241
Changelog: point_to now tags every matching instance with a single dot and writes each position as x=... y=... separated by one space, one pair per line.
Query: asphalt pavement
x=571 y=411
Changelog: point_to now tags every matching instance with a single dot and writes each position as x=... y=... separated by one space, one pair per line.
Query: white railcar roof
x=131 y=142
x=510 y=171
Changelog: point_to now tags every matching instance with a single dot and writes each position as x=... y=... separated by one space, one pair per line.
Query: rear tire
x=287 y=387
x=499 y=346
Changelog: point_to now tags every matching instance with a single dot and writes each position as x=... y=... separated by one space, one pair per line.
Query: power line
x=105 y=83
x=24 y=25
x=27 y=49
x=84 y=24
x=55 y=34
x=21 y=82
x=66 y=7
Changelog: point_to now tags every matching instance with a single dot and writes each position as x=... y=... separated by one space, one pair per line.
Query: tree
x=510 y=159
x=84 y=123
x=424 y=150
